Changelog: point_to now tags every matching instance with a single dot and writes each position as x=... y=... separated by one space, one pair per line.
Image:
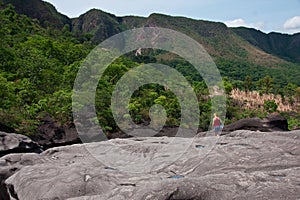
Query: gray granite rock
x=16 y=143
x=239 y=165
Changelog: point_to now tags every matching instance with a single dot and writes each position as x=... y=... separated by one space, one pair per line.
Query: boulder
x=272 y=122
x=11 y=164
x=51 y=134
x=240 y=165
x=13 y=143
x=16 y=143
x=276 y=122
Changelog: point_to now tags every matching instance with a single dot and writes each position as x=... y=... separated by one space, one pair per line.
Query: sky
x=266 y=15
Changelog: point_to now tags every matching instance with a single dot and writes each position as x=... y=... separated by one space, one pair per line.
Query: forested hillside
x=37 y=70
x=41 y=51
x=282 y=45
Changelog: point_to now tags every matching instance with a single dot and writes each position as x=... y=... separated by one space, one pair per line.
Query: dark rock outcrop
x=276 y=122
x=6 y=129
x=16 y=143
x=239 y=165
x=52 y=134
x=273 y=122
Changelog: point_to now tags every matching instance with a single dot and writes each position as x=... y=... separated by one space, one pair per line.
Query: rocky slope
x=239 y=165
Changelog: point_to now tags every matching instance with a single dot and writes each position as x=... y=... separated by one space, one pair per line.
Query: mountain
x=41 y=51
x=97 y=23
x=237 y=51
x=283 y=45
x=44 y=12
x=219 y=40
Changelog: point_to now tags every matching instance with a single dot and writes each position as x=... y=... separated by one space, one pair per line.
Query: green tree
x=7 y=93
x=297 y=94
x=247 y=84
x=227 y=86
x=290 y=92
x=265 y=84
x=270 y=106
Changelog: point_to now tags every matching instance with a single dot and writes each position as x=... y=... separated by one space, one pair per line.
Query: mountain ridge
x=43 y=11
x=221 y=42
x=18 y=5
x=280 y=44
x=101 y=25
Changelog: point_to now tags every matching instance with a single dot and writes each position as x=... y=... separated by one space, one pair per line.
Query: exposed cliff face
x=98 y=23
x=44 y=12
x=240 y=165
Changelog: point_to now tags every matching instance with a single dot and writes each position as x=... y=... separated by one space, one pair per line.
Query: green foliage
x=270 y=106
x=293 y=120
x=247 y=83
x=35 y=68
x=38 y=67
x=7 y=93
x=59 y=105
x=265 y=85
x=290 y=90
x=237 y=71
x=227 y=86
x=293 y=123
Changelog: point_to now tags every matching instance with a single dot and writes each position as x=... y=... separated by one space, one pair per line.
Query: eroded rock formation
x=239 y=165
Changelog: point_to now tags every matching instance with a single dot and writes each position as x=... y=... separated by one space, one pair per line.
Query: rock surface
x=51 y=134
x=239 y=165
x=16 y=143
x=271 y=123
x=13 y=143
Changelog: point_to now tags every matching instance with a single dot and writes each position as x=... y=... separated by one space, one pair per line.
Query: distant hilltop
x=227 y=40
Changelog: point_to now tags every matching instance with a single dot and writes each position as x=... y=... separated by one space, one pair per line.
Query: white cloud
x=292 y=23
x=241 y=22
